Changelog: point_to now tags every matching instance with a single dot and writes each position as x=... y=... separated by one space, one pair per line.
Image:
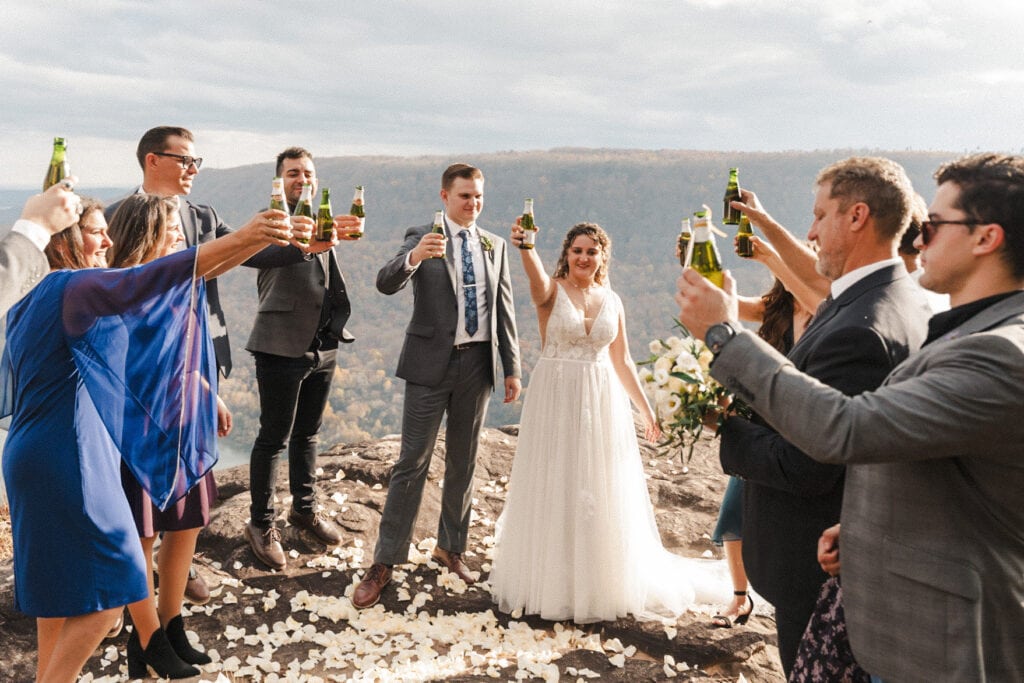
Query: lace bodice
x=566 y=335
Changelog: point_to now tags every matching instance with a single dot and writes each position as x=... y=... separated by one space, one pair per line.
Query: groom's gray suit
x=442 y=378
x=932 y=541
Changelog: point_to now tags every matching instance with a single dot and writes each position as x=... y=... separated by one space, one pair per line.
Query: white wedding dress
x=577 y=537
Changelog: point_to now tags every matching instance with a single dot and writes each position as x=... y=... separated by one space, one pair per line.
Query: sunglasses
x=929 y=228
x=184 y=160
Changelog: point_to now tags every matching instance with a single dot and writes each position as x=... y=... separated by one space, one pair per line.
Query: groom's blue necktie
x=468 y=284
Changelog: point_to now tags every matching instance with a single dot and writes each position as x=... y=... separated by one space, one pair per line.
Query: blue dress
x=101 y=365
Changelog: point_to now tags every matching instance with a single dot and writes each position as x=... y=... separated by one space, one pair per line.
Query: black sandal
x=723 y=621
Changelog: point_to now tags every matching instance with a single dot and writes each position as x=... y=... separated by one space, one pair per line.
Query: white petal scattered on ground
x=618 y=660
x=613 y=645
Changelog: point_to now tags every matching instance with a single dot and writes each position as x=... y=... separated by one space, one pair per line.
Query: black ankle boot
x=175 y=630
x=158 y=655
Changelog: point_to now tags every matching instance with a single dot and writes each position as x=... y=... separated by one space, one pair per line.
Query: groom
x=462 y=324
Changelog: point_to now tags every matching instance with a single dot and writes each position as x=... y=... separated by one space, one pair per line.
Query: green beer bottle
x=324 y=218
x=731 y=216
x=744 y=247
x=58 y=170
x=438 y=225
x=358 y=211
x=685 y=236
x=706 y=259
x=529 y=226
x=305 y=205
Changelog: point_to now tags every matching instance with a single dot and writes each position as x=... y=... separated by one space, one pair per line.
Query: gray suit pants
x=462 y=394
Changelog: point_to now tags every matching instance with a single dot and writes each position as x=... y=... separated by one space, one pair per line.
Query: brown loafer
x=367 y=593
x=318 y=525
x=266 y=545
x=454 y=563
x=196 y=590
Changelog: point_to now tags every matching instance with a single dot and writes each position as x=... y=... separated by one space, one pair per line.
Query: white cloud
x=417 y=77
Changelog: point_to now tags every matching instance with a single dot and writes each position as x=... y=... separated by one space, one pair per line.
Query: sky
x=458 y=77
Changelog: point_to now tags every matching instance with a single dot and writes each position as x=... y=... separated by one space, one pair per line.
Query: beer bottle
x=305 y=205
x=58 y=170
x=685 y=236
x=706 y=259
x=438 y=225
x=277 y=195
x=324 y=218
x=529 y=226
x=744 y=247
x=731 y=216
x=357 y=210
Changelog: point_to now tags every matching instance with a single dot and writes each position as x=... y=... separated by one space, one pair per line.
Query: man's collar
x=844 y=282
x=455 y=228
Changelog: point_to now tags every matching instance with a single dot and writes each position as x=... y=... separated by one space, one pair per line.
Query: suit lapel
x=988 y=318
x=878 y=278
x=449 y=256
x=490 y=275
x=188 y=223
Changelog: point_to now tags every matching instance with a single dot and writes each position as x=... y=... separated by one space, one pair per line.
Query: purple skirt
x=190 y=512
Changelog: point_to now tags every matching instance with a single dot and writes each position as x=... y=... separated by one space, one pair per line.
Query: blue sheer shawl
x=140 y=342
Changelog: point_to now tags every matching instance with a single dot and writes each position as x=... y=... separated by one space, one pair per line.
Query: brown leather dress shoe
x=196 y=590
x=454 y=563
x=367 y=593
x=315 y=523
x=266 y=545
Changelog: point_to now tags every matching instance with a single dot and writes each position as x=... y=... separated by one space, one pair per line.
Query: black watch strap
x=719 y=335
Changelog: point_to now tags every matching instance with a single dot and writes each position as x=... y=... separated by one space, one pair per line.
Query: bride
x=577 y=537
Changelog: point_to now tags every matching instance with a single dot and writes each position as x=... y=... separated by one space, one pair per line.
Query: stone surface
x=353 y=486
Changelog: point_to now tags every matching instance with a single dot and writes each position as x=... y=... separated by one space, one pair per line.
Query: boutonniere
x=486 y=243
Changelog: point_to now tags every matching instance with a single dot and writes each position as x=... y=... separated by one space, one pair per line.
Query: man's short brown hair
x=880 y=183
x=459 y=171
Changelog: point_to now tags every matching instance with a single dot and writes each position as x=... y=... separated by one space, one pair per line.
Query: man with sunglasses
x=932 y=526
x=169 y=164
x=873 y=317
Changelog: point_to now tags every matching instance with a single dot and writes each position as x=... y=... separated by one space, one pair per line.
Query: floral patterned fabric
x=824 y=655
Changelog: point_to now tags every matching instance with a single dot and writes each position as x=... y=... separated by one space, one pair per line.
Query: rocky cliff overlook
x=298 y=625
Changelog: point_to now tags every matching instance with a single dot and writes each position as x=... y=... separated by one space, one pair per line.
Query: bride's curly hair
x=594 y=232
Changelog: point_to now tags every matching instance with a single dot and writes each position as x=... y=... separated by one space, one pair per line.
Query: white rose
x=655 y=346
x=661 y=376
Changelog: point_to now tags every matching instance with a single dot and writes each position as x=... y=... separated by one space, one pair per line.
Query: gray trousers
x=463 y=394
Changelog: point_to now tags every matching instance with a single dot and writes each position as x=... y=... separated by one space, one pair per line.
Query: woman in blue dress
x=80 y=403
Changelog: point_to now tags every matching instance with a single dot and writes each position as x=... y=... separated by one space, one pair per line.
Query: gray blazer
x=291 y=301
x=430 y=335
x=932 y=541
x=22 y=265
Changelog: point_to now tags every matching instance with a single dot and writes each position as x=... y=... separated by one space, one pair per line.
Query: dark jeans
x=293 y=394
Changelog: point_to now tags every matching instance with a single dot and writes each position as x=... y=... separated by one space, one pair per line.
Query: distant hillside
x=637 y=196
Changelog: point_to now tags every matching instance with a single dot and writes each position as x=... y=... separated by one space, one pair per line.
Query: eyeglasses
x=929 y=228
x=184 y=160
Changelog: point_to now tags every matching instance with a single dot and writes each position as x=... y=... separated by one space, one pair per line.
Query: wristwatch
x=719 y=335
